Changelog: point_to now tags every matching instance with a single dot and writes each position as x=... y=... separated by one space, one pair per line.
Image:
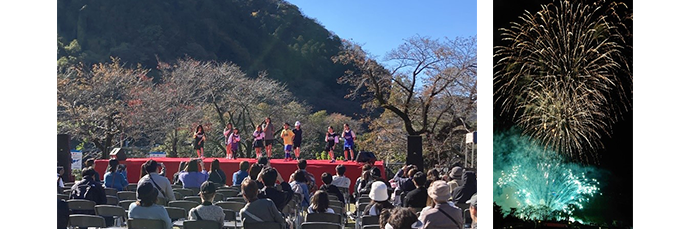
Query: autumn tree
x=92 y=102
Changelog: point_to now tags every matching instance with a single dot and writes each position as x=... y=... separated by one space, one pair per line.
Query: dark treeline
x=257 y=35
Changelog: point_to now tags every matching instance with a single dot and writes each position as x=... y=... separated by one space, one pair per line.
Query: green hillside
x=257 y=35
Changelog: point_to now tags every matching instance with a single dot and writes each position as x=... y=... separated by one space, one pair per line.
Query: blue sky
x=380 y=26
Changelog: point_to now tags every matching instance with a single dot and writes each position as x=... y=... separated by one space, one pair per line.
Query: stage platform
x=316 y=167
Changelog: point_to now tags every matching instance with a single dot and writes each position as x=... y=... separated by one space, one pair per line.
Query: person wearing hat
x=146 y=208
x=297 y=140
x=89 y=189
x=456 y=177
x=207 y=211
x=113 y=179
x=379 y=199
x=473 y=210
x=160 y=182
x=442 y=215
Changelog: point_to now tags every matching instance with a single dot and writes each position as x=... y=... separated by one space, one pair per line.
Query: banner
x=76 y=159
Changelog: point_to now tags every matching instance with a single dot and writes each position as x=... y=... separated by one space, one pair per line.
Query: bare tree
x=423 y=86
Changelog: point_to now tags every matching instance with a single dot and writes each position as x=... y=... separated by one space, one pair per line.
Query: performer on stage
x=297 y=140
x=258 y=140
x=199 y=139
x=331 y=140
x=349 y=142
x=268 y=139
x=226 y=132
x=234 y=143
x=288 y=137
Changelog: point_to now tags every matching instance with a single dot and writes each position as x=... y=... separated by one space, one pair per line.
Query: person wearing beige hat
x=456 y=177
x=443 y=215
x=379 y=199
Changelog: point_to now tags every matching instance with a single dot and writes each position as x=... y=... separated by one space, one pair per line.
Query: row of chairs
x=85 y=221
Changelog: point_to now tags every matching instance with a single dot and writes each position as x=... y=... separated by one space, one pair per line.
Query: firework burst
x=564 y=74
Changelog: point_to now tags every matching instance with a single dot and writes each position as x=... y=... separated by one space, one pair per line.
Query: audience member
x=319 y=203
x=408 y=185
x=298 y=184
x=161 y=183
x=384 y=215
x=238 y=176
x=207 y=210
x=191 y=177
x=327 y=178
x=431 y=176
x=465 y=191
x=455 y=177
x=90 y=163
x=113 y=179
x=62 y=214
x=89 y=189
x=264 y=161
x=379 y=199
x=146 y=208
x=60 y=184
x=362 y=179
x=280 y=197
x=417 y=198
x=403 y=218
x=473 y=210
x=176 y=177
x=340 y=180
x=442 y=215
x=216 y=174
x=258 y=210
x=311 y=180
x=254 y=171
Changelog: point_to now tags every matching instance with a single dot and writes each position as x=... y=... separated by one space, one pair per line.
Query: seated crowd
x=411 y=199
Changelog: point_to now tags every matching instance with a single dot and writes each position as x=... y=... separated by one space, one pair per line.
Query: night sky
x=617 y=155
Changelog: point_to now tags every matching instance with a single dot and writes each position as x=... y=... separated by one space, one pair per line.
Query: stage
x=285 y=168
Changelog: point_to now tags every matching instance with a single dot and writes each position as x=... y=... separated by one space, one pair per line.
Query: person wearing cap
x=379 y=199
x=473 y=210
x=113 y=179
x=297 y=140
x=160 y=182
x=89 y=189
x=417 y=197
x=403 y=218
x=288 y=137
x=258 y=210
x=206 y=210
x=146 y=208
x=442 y=215
x=465 y=191
x=456 y=177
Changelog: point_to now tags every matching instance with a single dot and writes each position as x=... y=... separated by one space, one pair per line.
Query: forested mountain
x=257 y=35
